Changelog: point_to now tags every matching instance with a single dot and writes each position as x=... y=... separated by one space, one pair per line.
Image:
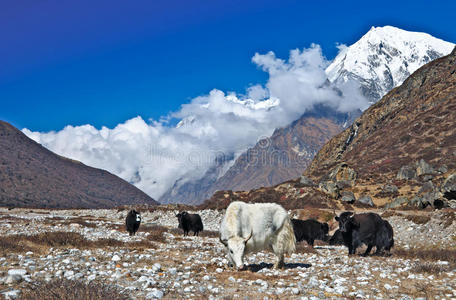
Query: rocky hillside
x=403 y=148
x=32 y=176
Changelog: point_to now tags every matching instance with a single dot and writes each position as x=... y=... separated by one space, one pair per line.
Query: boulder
x=389 y=189
x=406 y=172
x=343 y=172
x=423 y=167
x=449 y=187
x=306 y=181
x=397 y=202
x=366 y=199
x=348 y=197
x=330 y=188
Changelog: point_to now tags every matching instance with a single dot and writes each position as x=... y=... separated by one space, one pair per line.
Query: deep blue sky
x=103 y=62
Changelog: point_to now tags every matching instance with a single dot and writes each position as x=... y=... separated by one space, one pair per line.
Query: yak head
x=346 y=221
x=180 y=217
x=135 y=215
x=235 y=249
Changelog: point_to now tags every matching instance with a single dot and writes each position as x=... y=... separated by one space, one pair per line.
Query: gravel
x=196 y=267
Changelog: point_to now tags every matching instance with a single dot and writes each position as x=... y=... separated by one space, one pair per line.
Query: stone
x=156 y=267
x=154 y=294
x=13 y=279
x=397 y=202
x=348 y=197
x=68 y=273
x=422 y=167
x=329 y=188
x=449 y=187
x=343 y=172
x=115 y=258
x=20 y=272
x=306 y=181
x=406 y=172
x=390 y=189
x=366 y=199
x=11 y=294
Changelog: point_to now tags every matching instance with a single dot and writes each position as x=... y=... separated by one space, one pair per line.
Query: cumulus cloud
x=153 y=155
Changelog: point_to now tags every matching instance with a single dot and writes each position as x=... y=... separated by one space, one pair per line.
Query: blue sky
x=103 y=62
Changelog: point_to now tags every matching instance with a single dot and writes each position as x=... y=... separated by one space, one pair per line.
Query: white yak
x=255 y=227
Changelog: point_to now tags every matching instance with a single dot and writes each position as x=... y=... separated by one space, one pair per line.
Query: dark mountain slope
x=32 y=176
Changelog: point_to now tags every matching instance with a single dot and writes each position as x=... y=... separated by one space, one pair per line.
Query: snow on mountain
x=383 y=58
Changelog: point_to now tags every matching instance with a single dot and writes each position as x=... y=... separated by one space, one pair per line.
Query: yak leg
x=311 y=242
x=369 y=248
x=279 y=264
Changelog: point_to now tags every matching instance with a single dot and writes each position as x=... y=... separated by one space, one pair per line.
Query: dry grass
x=418 y=219
x=209 y=233
x=155 y=233
x=302 y=247
x=390 y=213
x=81 y=222
x=61 y=239
x=71 y=290
x=449 y=217
x=448 y=255
x=430 y=268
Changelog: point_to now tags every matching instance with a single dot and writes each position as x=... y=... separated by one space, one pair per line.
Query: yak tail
x=286 y=237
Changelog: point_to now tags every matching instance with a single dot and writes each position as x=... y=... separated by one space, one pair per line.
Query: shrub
x=71 y=290
x=418 y=219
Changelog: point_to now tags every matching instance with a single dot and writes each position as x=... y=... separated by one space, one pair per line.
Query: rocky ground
x=159 y=262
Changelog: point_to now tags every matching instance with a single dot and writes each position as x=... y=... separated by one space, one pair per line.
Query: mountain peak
x=383 y=58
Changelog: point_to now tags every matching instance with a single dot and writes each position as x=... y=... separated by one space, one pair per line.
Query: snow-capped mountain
x=383 y=58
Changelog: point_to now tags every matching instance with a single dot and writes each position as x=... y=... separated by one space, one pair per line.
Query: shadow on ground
x=258 y=267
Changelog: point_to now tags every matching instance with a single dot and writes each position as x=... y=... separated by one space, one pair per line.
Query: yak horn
x=224 y=242
x=248 y=238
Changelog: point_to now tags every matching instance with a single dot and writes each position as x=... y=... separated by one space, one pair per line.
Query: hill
x=32 y=176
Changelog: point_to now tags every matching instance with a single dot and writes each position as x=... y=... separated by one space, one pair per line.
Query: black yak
x=310 y=230
x=132 y=222
x=336 y=238
x=189 y=222
x=366 y=228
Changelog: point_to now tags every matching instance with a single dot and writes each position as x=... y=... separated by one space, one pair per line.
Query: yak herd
x=247 y=228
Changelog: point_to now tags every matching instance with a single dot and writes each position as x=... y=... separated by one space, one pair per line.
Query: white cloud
x=154 y=155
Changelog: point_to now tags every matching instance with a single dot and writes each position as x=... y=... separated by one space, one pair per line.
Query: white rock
x=115 y=257
x=295 y=291
x=12 y=294
x=219 y=270
x=68 y=273
x=20 y=272
x=12 y=279
x=155 y=294
x=91 y=277
x=387 y=286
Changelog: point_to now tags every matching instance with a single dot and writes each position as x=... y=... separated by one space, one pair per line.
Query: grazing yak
x=367 y=228
x=255 y=227
x=310 y=230
x=190 y=222
x=132 y=222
